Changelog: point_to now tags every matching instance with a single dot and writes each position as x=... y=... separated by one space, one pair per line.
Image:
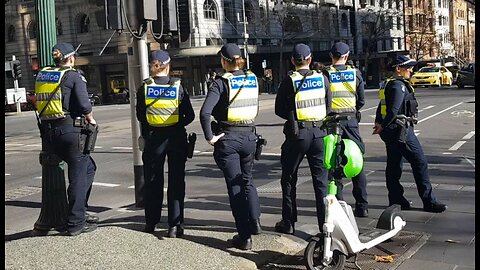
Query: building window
x=410 y=3
x=344 y=21
x=249 y=12
x=32 y=30
x=372 y=2
x=58 y=25
x=439 y=3
x=84 y=23
x=410 y=22
x=399 y=23
x=293 y=23
x=390 y=3
x=400 y=47
x=210 y=10
x=11 y=33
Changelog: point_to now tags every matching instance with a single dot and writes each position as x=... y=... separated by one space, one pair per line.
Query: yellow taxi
x=432 y=75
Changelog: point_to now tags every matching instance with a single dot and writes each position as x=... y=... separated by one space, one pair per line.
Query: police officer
x=303 y=99
x=164 y=109
x=233 y=101
x=348 y=97
x=397 y=98
x=61 y=94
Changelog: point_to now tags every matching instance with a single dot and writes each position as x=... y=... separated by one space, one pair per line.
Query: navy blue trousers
x=64 y=141
x=171 y=143
x=234 y=155
x=292 y=153
x=412 y=151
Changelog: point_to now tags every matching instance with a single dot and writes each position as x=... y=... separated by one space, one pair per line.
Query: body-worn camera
x=260 y=143
x=79 y=121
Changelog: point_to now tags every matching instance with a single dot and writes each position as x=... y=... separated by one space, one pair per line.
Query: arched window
x=292 y=23
x=210 y=10
x=11 y=33
x=58 y=25
x=84 y=23
x=344 y=21
x=32 y=30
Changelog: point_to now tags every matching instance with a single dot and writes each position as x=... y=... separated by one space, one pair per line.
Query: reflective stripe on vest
x=343 y=85
x=46 y=82
x=164 y=112
x=381 y=95
x=244 y=107
x=310 y=100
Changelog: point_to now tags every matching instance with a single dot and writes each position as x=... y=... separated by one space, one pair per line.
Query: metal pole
x=245 y=36
x=137 y=71
x=53 y=215
x=15 y=86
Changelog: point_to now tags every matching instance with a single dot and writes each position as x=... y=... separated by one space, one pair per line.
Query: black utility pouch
x=401 y=130
x=192 y=138
x=260 y=143
x=91 y=132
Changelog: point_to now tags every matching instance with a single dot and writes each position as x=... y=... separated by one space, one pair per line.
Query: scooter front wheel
x=314 y=255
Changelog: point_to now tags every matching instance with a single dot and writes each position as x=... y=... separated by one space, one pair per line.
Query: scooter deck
x=371 y=234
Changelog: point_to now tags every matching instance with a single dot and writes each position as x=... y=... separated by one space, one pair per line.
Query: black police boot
x=88 y=227
x=404 y=204
x=176 y=231
x=285 y=226
x=256 y=227
x=360 y=212
x=435 y=207
x=243 y=244
x=150 y=228
x=91 y=218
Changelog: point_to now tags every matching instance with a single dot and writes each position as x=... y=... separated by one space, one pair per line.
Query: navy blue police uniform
x=308 y=141
x=234 y=152
x=162 y=142
x=62 y=138
x=350 y=127
x=400 y=100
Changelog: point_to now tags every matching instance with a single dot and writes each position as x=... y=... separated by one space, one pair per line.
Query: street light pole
x=245 y=36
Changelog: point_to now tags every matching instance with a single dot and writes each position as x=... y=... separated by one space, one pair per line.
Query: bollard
x=53 y=215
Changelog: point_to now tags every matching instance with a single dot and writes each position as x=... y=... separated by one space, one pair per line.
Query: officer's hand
x=377 y=129
x=216 y=138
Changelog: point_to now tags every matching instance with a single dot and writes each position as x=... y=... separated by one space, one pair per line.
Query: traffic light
x=111 y=16
x=16 y=69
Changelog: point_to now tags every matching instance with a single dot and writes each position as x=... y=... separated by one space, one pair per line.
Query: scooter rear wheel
x=314 y=254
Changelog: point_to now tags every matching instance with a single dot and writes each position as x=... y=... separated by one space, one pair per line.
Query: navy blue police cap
x=230 y=51
x=66 y=49
x=161 y=56
x=301 y=52
x=340 y=48
x=404 y=61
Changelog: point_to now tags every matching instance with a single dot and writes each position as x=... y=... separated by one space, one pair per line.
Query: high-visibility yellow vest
x=343 y=85
x=310 y=100
x=381 y=95
x=244 y=108
x=46 y=82
x=164 y=111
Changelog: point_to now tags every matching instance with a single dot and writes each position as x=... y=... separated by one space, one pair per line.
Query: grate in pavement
x=402 y=247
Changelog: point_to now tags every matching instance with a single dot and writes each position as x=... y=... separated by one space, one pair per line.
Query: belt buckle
x=314 y=124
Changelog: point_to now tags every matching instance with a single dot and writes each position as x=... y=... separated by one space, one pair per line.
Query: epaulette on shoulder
x=290 y=72
x=148 y=80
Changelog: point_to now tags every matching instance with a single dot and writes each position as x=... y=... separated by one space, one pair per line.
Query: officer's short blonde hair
x=157 y=67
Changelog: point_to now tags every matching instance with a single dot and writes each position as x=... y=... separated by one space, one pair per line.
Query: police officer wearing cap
x=397 y=99
x=348 y=97
x=303 y=99
x=164 y=109
x=61 y=94
x=232 y=100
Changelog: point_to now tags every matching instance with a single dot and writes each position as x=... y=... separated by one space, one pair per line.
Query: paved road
x=446 y=130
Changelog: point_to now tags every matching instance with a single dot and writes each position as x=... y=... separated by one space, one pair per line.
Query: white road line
x=435 y=114
x=374 y=107
x=456 y=145
x=426 y=108
x=469 y=135
x=104 y=184
x=7 y=174
x=14 y=144
x=132 y=186
x=122 y=148
x=469 y=161
x=446 y=153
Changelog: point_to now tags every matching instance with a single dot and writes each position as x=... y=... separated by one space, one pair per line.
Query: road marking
x=446 y=153
x=122 y=148
x=13 y=144
x=456 y=145
x=104 y=184
x=7 y=174
x=426 y=108
x=469 y=161
x=132 y=186
x=374 y=107
x=469 y=135
x=435 y=114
